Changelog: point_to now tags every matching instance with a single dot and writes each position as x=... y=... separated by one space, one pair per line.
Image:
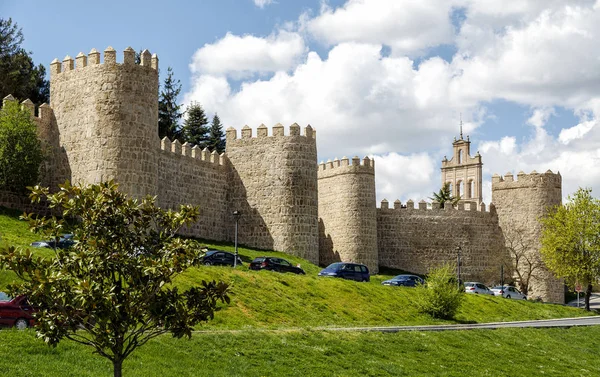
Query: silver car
x=477 y=288
x=508 y=292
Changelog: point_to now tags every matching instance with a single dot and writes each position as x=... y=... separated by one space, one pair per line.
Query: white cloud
x=541 y=54
x=406 y=26
x=262 y=3
x=240 y=56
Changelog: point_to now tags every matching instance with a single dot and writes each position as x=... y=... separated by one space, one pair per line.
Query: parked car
x=16 y=312
x=64 y=242
x=508 y=291
x=275 y=264
x=215 y=257
x=477 y=288
x=350 y=271
x=404 y=281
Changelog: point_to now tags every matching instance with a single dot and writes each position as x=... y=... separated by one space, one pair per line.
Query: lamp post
x=458 y=250
x=236 y=216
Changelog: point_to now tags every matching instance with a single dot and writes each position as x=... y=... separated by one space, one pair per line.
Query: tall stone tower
x=107 y=116
x=463 y=172
x=348 y=213
x=273 y=183
x=519 y=204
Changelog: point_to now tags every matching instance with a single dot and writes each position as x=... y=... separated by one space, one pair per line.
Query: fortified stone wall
x=520 y=203
x=417 y=239
x=273 y=183
x=189 y=175
x=107 y=116
x=347 y=212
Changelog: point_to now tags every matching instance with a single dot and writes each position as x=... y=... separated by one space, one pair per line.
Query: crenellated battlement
x=45 y=112
x=83 y=61
x=345 y=162
x=523 y=180
x=262 y=132
x=193 y=152
x=435 y=206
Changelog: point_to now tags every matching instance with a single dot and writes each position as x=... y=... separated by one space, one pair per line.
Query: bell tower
x=463 y=172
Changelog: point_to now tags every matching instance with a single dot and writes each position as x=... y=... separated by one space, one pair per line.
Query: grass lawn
x=504 y=352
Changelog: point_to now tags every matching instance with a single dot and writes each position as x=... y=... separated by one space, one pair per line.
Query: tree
x=20 y=149
x=19 y=76
x=571 y=241
x=445 y=195
x=441 y=295
x=113 y=289
x=216 y=138
x=194 y=129
x=169 y=112
x=526 y=263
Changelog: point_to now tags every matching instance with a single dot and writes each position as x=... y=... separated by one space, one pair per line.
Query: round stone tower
x=107 y=116
x=273 y=184
x=347 y=212
x=519 y=204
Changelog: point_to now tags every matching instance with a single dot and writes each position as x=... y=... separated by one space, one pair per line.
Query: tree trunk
x=118 y=367
x=588 y=295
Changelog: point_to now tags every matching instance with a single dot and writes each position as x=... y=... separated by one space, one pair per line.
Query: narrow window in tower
x=459 y=189
x=471 y=189
x=460 y=156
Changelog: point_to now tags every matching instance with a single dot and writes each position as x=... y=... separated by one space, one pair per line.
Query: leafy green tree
x=445 y=196
x=195 y=129
x=20 y=149
x=216 y=138
x=19 y=76
x=113 y=289
x=441 y=296
x=571 y=241
x=169 y=112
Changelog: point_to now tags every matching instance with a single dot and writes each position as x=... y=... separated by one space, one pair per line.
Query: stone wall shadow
x=253 y=230
x=326 y=253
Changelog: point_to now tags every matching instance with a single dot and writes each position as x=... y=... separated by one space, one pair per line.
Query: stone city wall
x=107 y=116
x=273 y=183
x=189 y=175
x=347 y=212
x=417 y=239
x=520 y=203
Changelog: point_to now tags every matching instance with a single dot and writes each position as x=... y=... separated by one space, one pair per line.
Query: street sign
x=577 y=287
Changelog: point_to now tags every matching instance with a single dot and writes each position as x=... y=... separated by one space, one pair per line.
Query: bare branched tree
x=526 y=263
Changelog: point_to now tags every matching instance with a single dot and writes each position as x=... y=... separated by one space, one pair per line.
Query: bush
x=440 y=297
x=20 y=149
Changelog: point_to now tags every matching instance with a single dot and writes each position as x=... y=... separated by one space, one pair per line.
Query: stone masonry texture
x=103 y=124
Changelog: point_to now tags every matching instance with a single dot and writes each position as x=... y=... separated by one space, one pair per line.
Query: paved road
x=594 y=301
x=561 y=322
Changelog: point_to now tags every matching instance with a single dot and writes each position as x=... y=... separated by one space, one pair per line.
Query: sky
x=389 y=79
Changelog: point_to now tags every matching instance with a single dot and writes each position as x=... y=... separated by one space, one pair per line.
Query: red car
x=16 y=312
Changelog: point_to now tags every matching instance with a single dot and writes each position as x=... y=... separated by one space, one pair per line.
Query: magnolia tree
x=112 y=290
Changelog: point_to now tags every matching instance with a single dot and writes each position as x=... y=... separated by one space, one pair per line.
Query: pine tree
x=194 y=129
x=216 y=138
x=168 y=110
x=19 y=76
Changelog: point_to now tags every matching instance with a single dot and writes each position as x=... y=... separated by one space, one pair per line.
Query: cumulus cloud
x=240 y=56
x=406 y=26
x=262 y=3
x=404 y=110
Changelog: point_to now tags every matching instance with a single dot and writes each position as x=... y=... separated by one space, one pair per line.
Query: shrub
x=20 y=149
x=440 y=296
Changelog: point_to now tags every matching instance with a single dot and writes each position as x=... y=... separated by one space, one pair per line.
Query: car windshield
x=401 y=277
x=334 y=267
x=499 y=287
x=4 y=297
x=210 y=252
x=258 y=260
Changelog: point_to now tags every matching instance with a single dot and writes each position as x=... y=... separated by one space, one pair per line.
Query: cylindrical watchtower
x=347 y=212
x=274 y=186
x=107 y=116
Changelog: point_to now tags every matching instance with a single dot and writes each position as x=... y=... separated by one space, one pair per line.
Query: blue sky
x=385 y=78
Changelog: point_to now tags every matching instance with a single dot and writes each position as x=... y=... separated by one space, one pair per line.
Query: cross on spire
x=461 y=124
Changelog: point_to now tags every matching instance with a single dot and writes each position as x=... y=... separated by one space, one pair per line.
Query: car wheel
x=21 y=324
x=207 y=264
x=507 y=296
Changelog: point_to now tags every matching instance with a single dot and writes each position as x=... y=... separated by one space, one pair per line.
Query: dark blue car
x=404 y=281
x=350 y=271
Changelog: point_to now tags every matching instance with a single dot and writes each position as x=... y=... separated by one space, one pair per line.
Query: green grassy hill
x=272 y=300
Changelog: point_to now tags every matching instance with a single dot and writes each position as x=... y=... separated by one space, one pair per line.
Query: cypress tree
x=194 y=129
x=169 y=112
x=216 y=138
